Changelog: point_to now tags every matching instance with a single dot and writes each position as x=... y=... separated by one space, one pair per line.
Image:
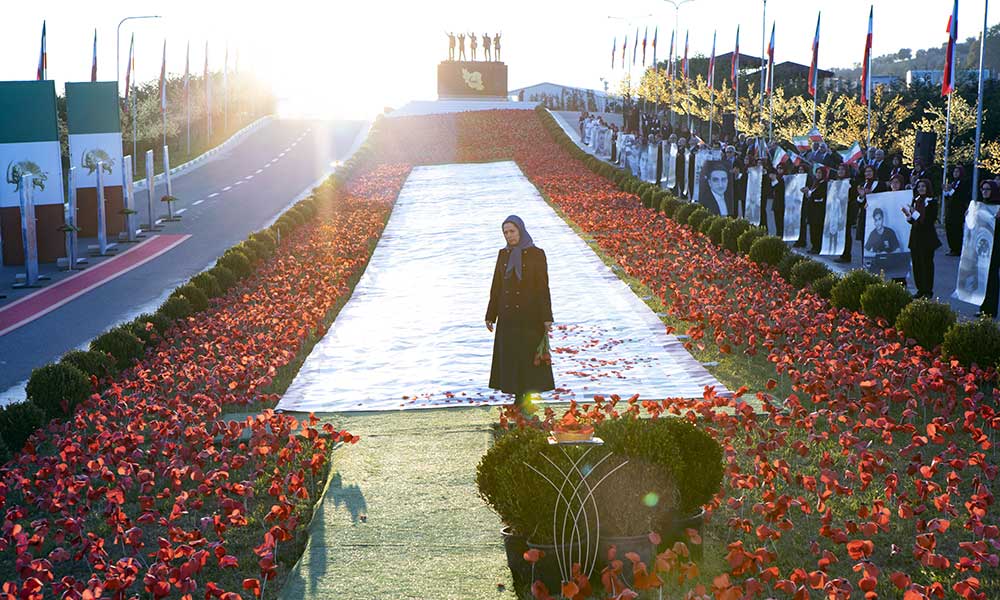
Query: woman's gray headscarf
x=514 y=260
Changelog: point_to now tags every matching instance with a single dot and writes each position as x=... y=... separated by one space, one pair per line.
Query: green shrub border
x=679 y=211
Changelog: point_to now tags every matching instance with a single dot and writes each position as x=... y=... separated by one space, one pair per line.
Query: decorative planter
x=674 y=531
x=515 y=546
x=547 y=567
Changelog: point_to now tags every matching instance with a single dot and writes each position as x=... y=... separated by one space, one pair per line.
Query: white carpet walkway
x=412 y=335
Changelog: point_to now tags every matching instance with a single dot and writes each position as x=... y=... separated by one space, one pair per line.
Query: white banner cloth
x=413 y=333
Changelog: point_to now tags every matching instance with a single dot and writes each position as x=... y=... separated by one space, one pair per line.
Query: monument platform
x=471 y=79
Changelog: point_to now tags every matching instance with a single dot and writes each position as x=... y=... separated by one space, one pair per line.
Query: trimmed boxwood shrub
x=208 y=284
x=715 y=231
x=685 y=464
x=746 y=239
x=123 y=346
x=707 y=222
x=768 y=250
x=259 y=249
x=732 y=232
x=175 y=308
x=824 y=285
x=160 y=322
x=806 y=272
x=847 y=292
x=18 y=421
x=670 y=206
x=697 y=216
x=786 y=264
x=237 y=262
x=223 y=276
x=885 y=300
x=194 y=295
x=658 y=197
x=647 y=198
x=57 y=388
x=98 y=364
x=971 y=342
x=926 y=322
x=681 y=214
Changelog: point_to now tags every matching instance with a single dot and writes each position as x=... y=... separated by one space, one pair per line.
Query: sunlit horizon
x=350 y=61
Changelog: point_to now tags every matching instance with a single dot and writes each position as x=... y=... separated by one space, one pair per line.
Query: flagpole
x=763 y=36
x=947 y=144
x=979 y=109
x=869 y=88
x=711 y=85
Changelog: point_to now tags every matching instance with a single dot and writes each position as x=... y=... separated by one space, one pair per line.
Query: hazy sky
x=353 y=58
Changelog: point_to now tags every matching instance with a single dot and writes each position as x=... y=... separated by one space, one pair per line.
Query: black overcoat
x=520 y=307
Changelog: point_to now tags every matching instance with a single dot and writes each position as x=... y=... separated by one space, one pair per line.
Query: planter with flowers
x=645 y=506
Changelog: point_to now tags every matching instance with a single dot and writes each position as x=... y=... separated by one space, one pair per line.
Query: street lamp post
x=677 y=4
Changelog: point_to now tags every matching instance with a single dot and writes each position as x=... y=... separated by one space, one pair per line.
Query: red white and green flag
x=866 y=75
x=948 y=82
x=645 y=35
x=711 y=64
x=43 y=59
x=163 y=80
x=656 y=32
x=129 y=67
x=814 y=66
x=735 y=63
x=770 y=62
x=670 y=63
x=780 y=156
x=93 y=62
x=802 y=143
x=853 y=154
x=684 y=65
x=614 y=50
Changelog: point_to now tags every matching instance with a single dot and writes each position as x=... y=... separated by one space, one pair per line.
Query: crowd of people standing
x=643 y=150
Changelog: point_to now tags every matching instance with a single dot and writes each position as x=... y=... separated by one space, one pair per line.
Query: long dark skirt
x=513 y=369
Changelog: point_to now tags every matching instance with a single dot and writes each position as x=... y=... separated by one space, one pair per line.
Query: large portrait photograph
x=835 y=222
x=793 y=205
x=977 y=248
x=753 y=207
x=716 y=187
x=887 y=234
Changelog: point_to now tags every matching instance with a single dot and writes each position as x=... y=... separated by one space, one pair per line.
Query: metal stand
x=103 y=248
x=575 y=539
x=73 y=260
x=169 y=198
x=29 y=238
x=150 y=191
x=131 y=234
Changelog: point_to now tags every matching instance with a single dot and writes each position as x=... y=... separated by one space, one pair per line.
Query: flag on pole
x=43 y=59
x=645 y=34
x=93 y=62
x=814 y=67
x=187 y=73
x=796 y=159
x=948 y=82
x=853 y=154
x=635 y=46
x=163 y=80
x=865 y=75
x=624 y=47
x=711 y=64
x=208 y=86
x=656 y=31
x=815 y=135
x=129 y=67
x=614 y=50
x=780 y=156
x=670 y=63
x=770 y=62
x=802 y=143
x=735 y=66
x=684 y=65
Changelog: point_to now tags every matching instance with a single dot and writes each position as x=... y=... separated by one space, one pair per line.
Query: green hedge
x=885 y=301
x=768 y=250
x=57 y=389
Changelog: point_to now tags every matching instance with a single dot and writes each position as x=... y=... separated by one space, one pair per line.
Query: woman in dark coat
x=816 y=199
x=958 y=193
x=521 y=307
x=921 y=215
x=776 y=184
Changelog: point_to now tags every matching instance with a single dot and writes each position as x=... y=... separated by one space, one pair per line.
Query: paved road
x=945 y=267
x=236 y=192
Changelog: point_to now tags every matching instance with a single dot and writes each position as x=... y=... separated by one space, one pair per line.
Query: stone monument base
x=472 y=80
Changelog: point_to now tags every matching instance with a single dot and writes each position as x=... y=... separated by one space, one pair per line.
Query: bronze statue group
x=490 y=45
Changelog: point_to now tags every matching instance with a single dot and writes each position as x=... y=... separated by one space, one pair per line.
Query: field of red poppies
x=871 y=477
x=149 y=490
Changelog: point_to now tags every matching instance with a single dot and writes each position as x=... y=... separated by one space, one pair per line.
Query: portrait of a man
x=882 y=239
x=716 y=193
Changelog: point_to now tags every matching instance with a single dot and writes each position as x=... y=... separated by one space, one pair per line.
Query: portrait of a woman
x=521 y=308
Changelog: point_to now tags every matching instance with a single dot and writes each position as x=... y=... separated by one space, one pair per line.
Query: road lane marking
x=197 y=202
x=258 y=171
x=227 y=188
x=213 y=194
x=238 y=183
x=248 y=177
x=181 y=211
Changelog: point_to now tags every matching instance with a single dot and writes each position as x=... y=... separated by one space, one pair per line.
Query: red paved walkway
x=46 y=300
